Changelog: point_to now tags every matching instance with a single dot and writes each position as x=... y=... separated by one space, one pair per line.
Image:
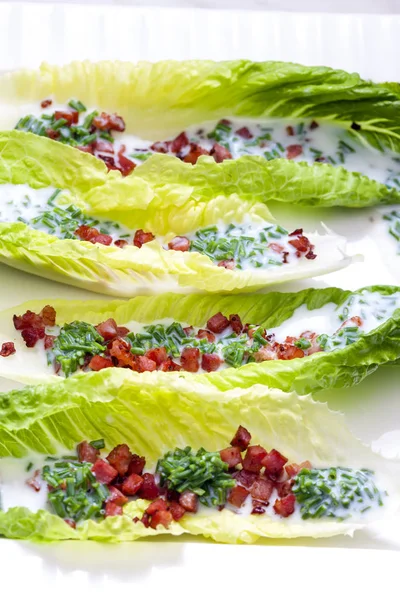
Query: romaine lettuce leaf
x=123 y=407
x=322 y=370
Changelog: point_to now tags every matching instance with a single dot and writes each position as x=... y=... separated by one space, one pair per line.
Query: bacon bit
x=241 y=438
x=48 y=315
x=156 y=505
x=32 y=336
x=132 y=484
x=86 y=452
x=52 y=134
x=121 y=350
x=104 y=472
x=253 y=458
x=313 y=125
x=211 y=362
x=104 y=239
x=161 y=517
x=109 y=122
x=217 y=323
x=179 y=244
x=7 y=349
x=71 y=116
x=236 y=323
x=46 y=103
x=70 y=522
x=177 y=511
x=285 y=506
x=113 y=509
x=189 y=501
x=28 y=320
x=203 y=333
x=120 y=458
x=169 y=365
x=190 y=331
x=157 y=355
x=245 y=133
x=162 y=147
x=310 y=254
x=296 y=232
x=231 y=456
x=219 y=153
x=258 y=509
x=49 y=341
x=265 y=353
x=34 y=482
x=144 y=364
x=194 y=154
x=284 y=488
x=121 y=243
x=289 y=130
x=293 y=469
x=179 y=143
x=262 y=489
x=273 y=463
x=302 y=244
x=352 y=321
x=88 y=149
x=109 y=161
x=225 y=122
x=289 y=352
x=136 y=465
x=107 y=329
x=126 y=166
x=93 y=235
x=190 y=359
x=104 y=146
x=116 y=496
x=276 y=247
x=145 y=520
x=245 y=478
x=142 y=237
x=237 y=496
x=293 y=151
x=149 y=489
x=227 y=264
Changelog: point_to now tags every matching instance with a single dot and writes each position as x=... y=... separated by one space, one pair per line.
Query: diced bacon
x=217 y=323
x=241 y=438
x=301 y=243
x=136 y=465
x=88 y=149
x=293 y=469
x=274 y=463
x=237 y=496
x=116 y=496
x=284 y=488
x=120 y=458
x=285 y=506
x=28 y=320
x=132 y=484
x=311 y=254
x=225 y=122
x=122 y=331
x=142 y=237
x=245 y=133
x=86 y=233
x=104 y=472
x=231 y=456
x=294 y=150
x=113 y=509
x=145 y=520
x=289 y=130
x=104 y=146
x=107 y=329
x=194 y=154
x=189 y=501
x=109 y=122
x=179 y=244
x=126 y=165
x=121 y=350
x=109 y=161
x=258 y=508
x=34 y=482
x=162 y=517
x=158 y=355
x=49 y=341
x=71 y=523
x=314 y=125
x=203 y=333
x=102 y=238
x=86 y=452
x=211 y=362
x=149 y=489
x=296 y=232
x=312 y=338
x=179 y=143
x=7 y=349
x=46 y=103
x=32 y=336
x=156 y=505
x=189 y=331
x=262 y=489
x=278 y=248
x=289 y=352
x=71 y=116
x=97 y=363
x=169 y=365
x=253 y=458
x=177 y=511
x=145 y=364
x=190 y=358
x=121 y=243
x=162 y=147
x=48 y=315
x=227 y=264
x=220 y=153
x=245 y=478
x=354 y=321
x=53 y=134
x=236 y=323
x=265 y=353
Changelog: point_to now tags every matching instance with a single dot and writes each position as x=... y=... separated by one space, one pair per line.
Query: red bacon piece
x=46 y=103
x=107 y=329
x=179 y=244
x=161 y=517
x=220 y=153
x=189 y=501
x=71 y=523
x=284 y=488
x=93 y=235
x=285 y=506
x=294 y=150
x=113 y=509
x=156 y=505
x=104 y=146
x=71 y=116
x=169 y=365
x=290 y=130
x=236 y=323
x=97 y=363
x=190 y=359
x=293 y=469
x=262 y=489
x=32 y=336
x=194 y=153
x=162 y=147
x=7 y=349
x=274 y=462
x=241 y=438
x=231 y=456
x=211 y=362
x=227 y=264
x=104 y=472
x=289 y=352
x=132 y=484
x=34 y=482
x=245 y=478
x=314 y=125
x=126 y=165
x=301 y=243
x=157 y=355
x=245 y=133
x=203 y=333
x=142 y=237
x=88 y=149
x=258 y=508
x=217 y=323
x=28 y=320
x=136 y=465
x=145 y=364
x=253 y=458
x=102 y=238
x=86 y=452
x=177 y=511
x=149 y=489
x=120 y=458
x=121 y=243
x=237 y=496
x=357 y=321
x=109 y=122
x=49 y=341
x=120 y=349
x=265 y=353
x=179 y=143
x=278 y=248
x=53 y=134
x=116 y=496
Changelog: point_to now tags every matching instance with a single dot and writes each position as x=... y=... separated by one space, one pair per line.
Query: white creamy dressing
x=20 y=202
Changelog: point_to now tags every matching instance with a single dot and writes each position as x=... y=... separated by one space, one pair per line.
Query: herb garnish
x=74 y=342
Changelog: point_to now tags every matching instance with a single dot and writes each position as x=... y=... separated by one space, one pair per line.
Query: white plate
x=303 y=568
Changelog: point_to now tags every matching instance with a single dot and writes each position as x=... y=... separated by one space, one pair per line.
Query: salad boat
x=112 y=458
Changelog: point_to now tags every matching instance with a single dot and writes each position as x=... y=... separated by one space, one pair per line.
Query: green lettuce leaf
x=340 y=368
x=123 y=407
